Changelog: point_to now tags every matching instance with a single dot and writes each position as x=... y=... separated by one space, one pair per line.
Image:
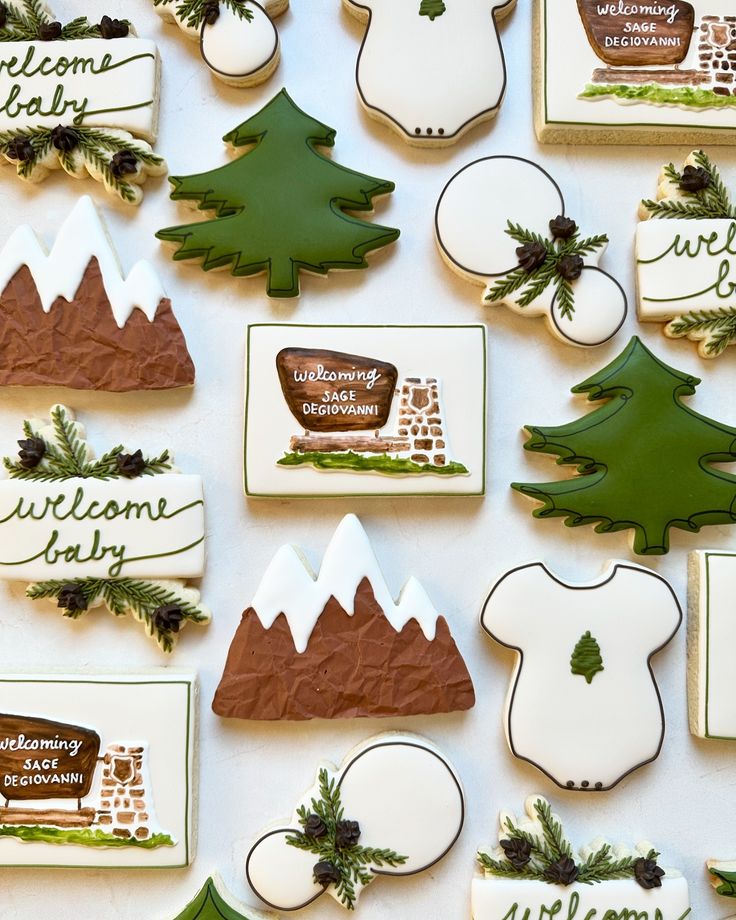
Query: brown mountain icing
x=354 y=667
x=79 y=344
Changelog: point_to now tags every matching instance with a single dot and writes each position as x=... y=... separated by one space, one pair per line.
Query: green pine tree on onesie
x=280 y=208
x=644 y=459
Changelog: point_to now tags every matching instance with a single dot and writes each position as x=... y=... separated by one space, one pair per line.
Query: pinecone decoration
x=432 y=8
x=694 y=179
x=3 y=15
x=71 y=598
x=517 y=851
x=326 y=873
x=562 y=872
x=531 y=256
x=49 y=31
x=647 y=873
x=562 y=228
x=347 y=834
x=31 y=453
x=113 y=28
x=211 y=12
x=168 y=618
x=64 y=139
x=315 y=827
x=124 y=163
x=131 y=465
x=20 y=149
x=570 y=267
x=586 y=659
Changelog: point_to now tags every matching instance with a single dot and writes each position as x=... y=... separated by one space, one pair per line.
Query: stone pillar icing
x=717 y=52
x=125 y=809
x=421 y=420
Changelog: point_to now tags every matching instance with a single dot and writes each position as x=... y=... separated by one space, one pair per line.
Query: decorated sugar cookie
x=644 y=460
x=214 y=902
x=614 y=72
x=501 y=221
x=119 y=332
x=395 y=807
x=584 y=649
x=374 y=410
x=280 y=207
x=711 y=633
x=80 y=96
x=722 y=875
x=125 y=530
x=685 y=254
x=431 y=69
x=535 y=872
x=96 y=770
x=238 y=41
x=320 y=648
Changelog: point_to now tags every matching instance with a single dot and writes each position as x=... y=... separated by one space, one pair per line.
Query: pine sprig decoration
x=353 y=863
x=532 y=284
x=716 y=327
x=192 y=12
x=711 y=202
x=549 y=849
x=23 y=21
x=67 y=456
x=125 y=596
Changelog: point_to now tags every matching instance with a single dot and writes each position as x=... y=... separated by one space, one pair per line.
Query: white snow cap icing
x=59 y=273
x=289 y=587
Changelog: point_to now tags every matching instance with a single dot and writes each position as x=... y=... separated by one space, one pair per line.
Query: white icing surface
x=124 y=95
x=405 y=796
x=569 y=64
x=472 y=216
x=234 y=47
x=711 y=644
x=174 y=547
x=289 y=587
x=456 y=355
x=579 y=732
x=431 y=79
x=59 y=273
x=157 y=707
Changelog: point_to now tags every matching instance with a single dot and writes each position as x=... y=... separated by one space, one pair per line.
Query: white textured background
x=251 y=774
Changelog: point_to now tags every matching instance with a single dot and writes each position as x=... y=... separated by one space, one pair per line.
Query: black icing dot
x=599 y=785
x=441 y=131
x=585 y=784
x=570 y=784
x=429 y=131
x=417 y=130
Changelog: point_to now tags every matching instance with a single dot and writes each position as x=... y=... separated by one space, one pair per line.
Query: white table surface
x=252 y=774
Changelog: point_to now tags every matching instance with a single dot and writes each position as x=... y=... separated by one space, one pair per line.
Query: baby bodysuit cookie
x=431 y=69
x=119 y=332
x=237 y=38
x=644 y=460
x=337 y=646
x=583 y=705
x=81 y=97
x=394 y=807
x=125 y=530
x=686 y=256
x=501 y=222
x=280 y=207
x=535 y=872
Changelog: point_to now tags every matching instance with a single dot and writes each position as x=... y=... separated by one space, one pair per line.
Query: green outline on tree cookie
x=162 y=606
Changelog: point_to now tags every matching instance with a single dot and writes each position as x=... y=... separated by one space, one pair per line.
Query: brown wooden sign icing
x=334 y=391
x=41 y=759
x=631 y=33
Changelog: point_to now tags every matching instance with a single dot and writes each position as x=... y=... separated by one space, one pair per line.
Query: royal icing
x=643 y=459
x=430 y=69
x=616 y=72
x=722 y=875
x=72 y=775
x=81 y=97
x=237 y=38
x=685 y=256
x=379 y=410
x=584 y=649
x=711 y=632
x=535 y=873
x=501 y=221
x=395 y=807
x=89 y=532
x=259 y=227
x=341 y=634
x=214 y=902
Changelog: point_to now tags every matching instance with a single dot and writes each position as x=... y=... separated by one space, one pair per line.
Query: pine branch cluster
x=96 y=147
x=543 y=855
x=192 y=12
x=717 y=327
x=123 y=596
x=535 y=282
x=67 y=456
x=354 y=863
x=22 y=23
x=713 y=201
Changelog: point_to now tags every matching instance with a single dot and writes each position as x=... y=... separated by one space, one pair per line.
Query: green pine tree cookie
x=644 y=460
x=281 y=207
x=214 y=902
x=586 y=657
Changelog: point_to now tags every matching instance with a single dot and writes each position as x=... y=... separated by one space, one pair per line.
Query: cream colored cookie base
x=551 y=131
x=436 y=141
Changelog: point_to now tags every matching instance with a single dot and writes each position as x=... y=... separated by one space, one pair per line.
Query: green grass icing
x=378 y=464
x=660 y=95
x=84 y=837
